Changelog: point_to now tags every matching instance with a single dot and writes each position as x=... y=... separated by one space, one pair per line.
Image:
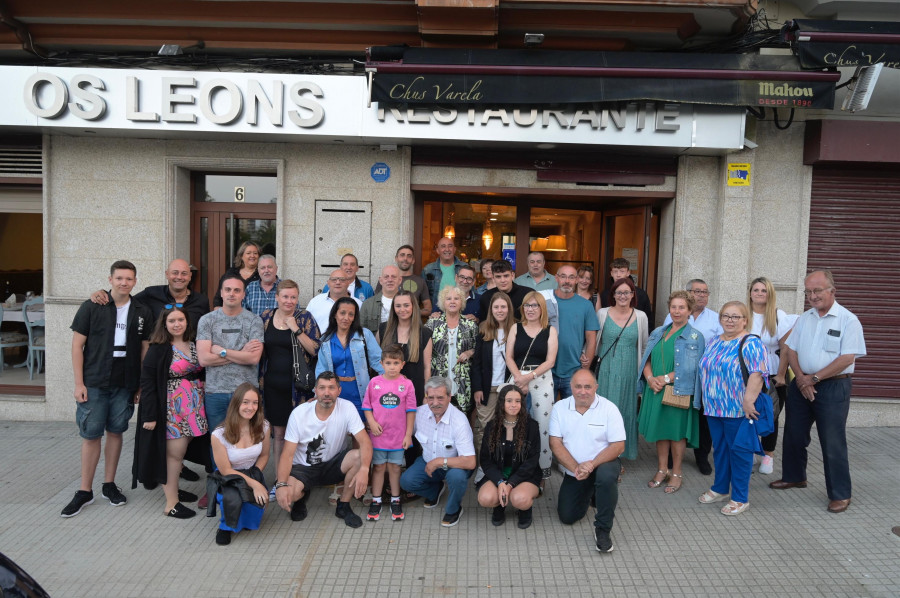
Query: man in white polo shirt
x=448 y=454
x=587 y=436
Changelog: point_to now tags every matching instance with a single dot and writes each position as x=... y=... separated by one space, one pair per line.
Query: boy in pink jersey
x=390 y=410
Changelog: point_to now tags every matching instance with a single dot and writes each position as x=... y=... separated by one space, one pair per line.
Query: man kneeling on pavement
x=316 y=453
x=587 y=435
x=448 y=453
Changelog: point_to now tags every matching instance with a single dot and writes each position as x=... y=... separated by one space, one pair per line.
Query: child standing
x=390 y=410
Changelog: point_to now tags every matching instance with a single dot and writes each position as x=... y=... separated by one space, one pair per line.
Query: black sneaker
x=223 y=537
x=374 y=511
x=498 y=518
x=396 y=511
x=604 y=542
x=82 y=498
x=343 y=511
x=298 y=510
x=525 y=518
x=430 y=504
x=187 y=474
x=113 y=494
x=451 y=519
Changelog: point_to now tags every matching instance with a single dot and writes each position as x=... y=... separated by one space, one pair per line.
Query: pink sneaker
x=766 y=465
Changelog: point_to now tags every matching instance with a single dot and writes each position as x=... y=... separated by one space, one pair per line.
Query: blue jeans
x=733 y=467
x=563 y=386
x=106 y=408
x=829 y=412
x=216 y=404
x=414 y=479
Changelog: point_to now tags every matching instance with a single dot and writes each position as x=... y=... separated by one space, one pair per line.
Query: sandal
x=711 y=496
x=654 y=483
x=670 y=489
x=735 y=508
x=335 y=495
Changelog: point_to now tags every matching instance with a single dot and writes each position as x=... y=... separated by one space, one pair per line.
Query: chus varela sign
x=181 y=101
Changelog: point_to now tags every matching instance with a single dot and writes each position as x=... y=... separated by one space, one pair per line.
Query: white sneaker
x=766 y=465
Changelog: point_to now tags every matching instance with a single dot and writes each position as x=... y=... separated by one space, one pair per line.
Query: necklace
x=510 y=423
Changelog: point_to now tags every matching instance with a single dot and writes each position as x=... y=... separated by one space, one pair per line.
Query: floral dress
x=447 y=345
x=185 y=414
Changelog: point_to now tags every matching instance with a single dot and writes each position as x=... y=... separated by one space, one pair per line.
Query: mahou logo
x=785 y=90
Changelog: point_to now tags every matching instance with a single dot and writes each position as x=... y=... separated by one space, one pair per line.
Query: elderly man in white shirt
x=448 y=453
x=587 y=435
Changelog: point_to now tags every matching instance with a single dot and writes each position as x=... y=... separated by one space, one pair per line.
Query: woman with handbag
x=728 y=399
x=453 y=338
x=291 y=335
x=489 y=371
x=240 y=448
x=667 y=416
x=621 y=339
x=773 y=326
x=350 y=351
x=530 y=355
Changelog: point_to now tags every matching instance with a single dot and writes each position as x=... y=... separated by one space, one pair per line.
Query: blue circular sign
x=380 y=172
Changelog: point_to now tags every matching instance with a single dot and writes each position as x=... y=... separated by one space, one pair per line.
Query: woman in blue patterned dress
x=727 y=401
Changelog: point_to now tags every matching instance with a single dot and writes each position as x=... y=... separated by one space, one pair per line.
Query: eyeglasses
x=731 y=318
x=815 y=292
x=530 y=305
x=698 y=292
x=171 y=305
x=465 y=278
x=623 y=294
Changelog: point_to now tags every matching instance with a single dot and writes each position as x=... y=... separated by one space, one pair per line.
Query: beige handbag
x=673 y=400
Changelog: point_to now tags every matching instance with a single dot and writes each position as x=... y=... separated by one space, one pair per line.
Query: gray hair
x=692 y=281
x=829 y=277
x=267 y=256
x=438 y=382
x=442 y=297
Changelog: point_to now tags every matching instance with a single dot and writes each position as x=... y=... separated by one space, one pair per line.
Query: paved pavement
x=786 y=543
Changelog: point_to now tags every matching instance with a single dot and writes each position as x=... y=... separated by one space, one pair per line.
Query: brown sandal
x=654 y=483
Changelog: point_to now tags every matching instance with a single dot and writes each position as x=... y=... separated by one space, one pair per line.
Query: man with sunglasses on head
x=176 y=292
x=337 y=287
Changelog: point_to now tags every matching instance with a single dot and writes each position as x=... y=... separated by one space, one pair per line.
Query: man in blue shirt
x=822 y=350
x=260 y=294
x=442 y=272
x=537 y=277
x=578 y=326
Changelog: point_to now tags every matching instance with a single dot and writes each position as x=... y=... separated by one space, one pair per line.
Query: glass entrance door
x=227 y=211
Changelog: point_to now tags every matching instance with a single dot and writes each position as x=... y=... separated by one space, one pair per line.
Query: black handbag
x=304 y=380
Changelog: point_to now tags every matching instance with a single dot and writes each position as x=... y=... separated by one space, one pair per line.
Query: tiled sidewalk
x=786 y=543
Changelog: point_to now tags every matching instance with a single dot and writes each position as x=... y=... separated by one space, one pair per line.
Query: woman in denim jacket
x=672 y=356
x=343 y=351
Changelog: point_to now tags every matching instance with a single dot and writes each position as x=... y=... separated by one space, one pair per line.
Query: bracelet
x=280 y=485
x=533 y=375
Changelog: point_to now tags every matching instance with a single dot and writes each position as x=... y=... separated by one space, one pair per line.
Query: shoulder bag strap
x=744 y=372
x=524 y=359
x=615 y=342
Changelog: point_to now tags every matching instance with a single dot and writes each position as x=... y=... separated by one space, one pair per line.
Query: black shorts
x=321 y=474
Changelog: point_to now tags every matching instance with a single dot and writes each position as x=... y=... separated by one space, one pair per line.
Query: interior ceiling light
x=449 y=231
x=539 y=244
x=488 y=236
x=556 y=243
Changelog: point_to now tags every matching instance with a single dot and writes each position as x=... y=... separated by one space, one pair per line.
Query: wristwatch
x=223 y=352
x=445 y=467
x=815 y=379
x=665 y=378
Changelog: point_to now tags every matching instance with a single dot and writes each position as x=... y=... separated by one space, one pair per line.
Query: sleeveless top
x=538 y=353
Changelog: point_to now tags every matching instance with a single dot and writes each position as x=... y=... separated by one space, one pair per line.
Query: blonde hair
x=688 y=298
x=745 y=311
x=442 y=296
x=539 y=299
x=770 y=315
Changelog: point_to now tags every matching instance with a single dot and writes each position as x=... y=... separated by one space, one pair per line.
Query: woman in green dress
x=621 y=340
x=672 y=357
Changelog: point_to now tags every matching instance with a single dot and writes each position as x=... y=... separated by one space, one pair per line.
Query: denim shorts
x=106 y=409
x=380 y=456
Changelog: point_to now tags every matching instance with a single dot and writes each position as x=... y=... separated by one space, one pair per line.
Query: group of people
x=425 y=381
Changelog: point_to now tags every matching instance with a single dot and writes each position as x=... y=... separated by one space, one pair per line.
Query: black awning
x=417 y=76
x=824 y=44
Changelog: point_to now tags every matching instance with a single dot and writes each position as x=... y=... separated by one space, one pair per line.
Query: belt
x=346 y=378
x=838 y=377
x=529 y=368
